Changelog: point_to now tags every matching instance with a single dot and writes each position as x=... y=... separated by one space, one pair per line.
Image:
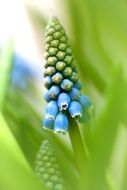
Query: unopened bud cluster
x=47 y=168
x=61 y=80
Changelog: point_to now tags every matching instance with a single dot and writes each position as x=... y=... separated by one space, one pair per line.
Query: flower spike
x=61 y=80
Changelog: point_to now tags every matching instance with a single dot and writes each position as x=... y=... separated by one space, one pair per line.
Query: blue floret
x=61 y=123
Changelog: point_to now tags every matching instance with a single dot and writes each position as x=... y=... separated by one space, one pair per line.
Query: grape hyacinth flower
x=61 y=80
x=47 y=167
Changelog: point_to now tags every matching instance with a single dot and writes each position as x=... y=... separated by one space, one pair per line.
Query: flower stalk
x=78 y=146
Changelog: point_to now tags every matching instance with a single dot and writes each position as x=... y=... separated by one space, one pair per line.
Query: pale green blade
x=15 y=172
x=5 y=66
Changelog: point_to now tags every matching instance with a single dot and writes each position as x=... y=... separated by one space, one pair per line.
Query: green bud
x=57 y=35
x=48 y=164
x=62 y=46
x=67 y=72
x=68 y=59
x=45 y=176
x=50 y=31
x=73 y=65
x=54 y=178
x=68 y=51
x=58 y=187
x=47 y=46
x=75 y=69
x=54 y=43
x=46 y=64
x=46 y=55
x=74 y=77
x=49 y=185
x=50 y=71
x=62 y=31
x=61 y=55
x=52 y=23
x=52 y=51
x=49 y=39
x=58 y=27
x=57 y=78
x=63 y=39
x=52 y=61
x=60 y=65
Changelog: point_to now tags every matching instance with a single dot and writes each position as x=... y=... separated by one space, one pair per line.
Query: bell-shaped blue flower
x=48 y=122
x=46 y=96
x=61 y=123
x=54 y=92
x=63 y=101
x=85 y=101
x=51 y=109
x=74 y=94
x=75 y=109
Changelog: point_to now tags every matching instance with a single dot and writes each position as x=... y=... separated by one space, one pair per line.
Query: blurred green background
x=97 y=31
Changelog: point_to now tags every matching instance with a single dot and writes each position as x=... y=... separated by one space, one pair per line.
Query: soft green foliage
x=98 y=160
x=5 y=66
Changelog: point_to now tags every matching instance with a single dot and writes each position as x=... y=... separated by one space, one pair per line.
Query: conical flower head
x=61 y=78
x=47 y=167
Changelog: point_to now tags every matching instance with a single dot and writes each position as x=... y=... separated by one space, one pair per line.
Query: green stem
x=78 y=146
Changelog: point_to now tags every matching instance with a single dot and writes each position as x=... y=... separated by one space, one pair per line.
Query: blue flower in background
x=22 y=73
x=61 y=80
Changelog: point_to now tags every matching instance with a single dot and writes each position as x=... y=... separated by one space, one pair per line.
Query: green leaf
x=5 y=66
x=15 y=171
x=24 y=122
x=105 y=133
x=124 y=182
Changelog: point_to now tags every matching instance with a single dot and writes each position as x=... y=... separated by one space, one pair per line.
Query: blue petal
x=85 y=101
x=46 y=96
x=48 y=122
x=48 y=81
x=61 y=123
x=51 y=109
x=75 y=109
x=54 y=92
x=63 y=101
x=74 y=94
x=78 y=85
